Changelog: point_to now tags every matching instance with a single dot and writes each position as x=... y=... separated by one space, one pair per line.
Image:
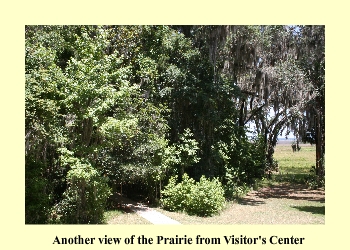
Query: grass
x=297 y=162
x=110 y=214
x=275 y=211
x=294 y=168
x=122 y=217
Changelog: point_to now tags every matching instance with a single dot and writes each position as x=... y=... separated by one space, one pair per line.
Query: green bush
x=235 y=191
x=203 y=198
x=314 y=181
x=207 y=197
x=176 y=196
x=85 y=199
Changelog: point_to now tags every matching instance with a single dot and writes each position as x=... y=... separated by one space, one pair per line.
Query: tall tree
x=264 y=62
x=312 y=61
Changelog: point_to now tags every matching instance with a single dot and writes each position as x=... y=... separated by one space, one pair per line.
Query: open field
x=294 y=166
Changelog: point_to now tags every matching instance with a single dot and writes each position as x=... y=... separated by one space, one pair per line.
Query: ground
x=278 y=204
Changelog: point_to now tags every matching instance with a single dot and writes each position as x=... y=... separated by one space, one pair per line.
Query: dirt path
x=144 y=211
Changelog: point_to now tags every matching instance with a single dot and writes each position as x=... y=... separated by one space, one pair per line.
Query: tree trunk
x=320 y=168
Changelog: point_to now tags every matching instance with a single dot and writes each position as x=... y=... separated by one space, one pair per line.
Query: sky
x=251 y=126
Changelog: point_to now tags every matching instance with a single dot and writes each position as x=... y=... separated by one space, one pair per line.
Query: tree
x=43 y=130
x=275 y=89
x=312 y=61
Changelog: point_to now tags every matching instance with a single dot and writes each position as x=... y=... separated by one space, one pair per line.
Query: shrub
x=314 y=181
x=176 y=196
x=207 y=197
x=203 y=198
x=235 y=191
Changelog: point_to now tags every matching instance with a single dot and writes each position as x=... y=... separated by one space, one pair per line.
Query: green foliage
x=315 y=181
x=244 y=161
x=85 y=198
x=207 y=197
x=176 y=196
x=186 y=150
x=235 y=191
x=203 y=198
x=37 y=198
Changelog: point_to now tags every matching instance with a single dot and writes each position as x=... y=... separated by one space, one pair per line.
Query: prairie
x=294 y=166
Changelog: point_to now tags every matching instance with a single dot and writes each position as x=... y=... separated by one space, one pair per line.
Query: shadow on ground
x=292 y=191
x=311 y=209
x=120 y=202
x=250 y=200
x=283 y=191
